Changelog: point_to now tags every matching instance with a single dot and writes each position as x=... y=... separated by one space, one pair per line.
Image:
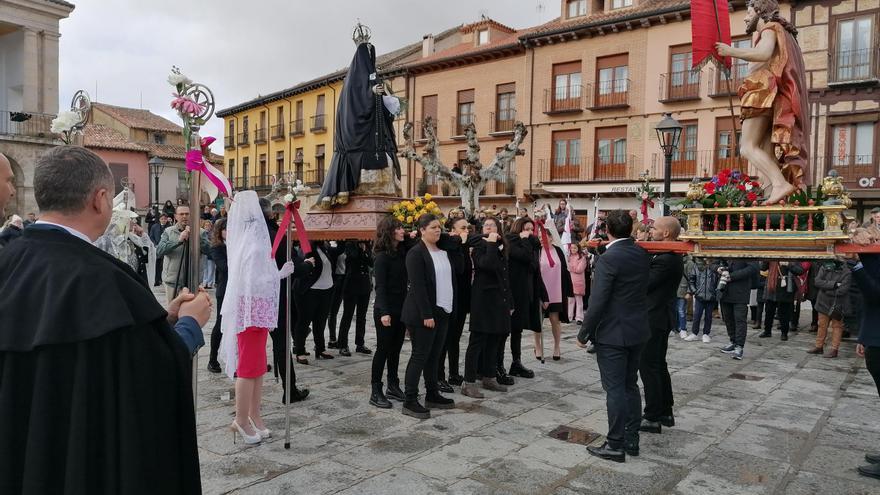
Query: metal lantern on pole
x=157 y=166
x=668 y=133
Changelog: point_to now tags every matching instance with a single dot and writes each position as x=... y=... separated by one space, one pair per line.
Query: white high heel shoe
x=248 y=439
x=264 y=433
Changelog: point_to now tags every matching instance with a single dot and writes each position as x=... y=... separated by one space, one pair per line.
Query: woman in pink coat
x=578 y=263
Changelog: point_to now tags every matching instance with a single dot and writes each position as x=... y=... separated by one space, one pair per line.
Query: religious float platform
x=356 y=219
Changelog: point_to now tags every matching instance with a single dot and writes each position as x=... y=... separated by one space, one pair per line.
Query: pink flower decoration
x=186 y=105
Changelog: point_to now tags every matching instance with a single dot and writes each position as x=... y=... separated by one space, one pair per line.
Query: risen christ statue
x=773 y=101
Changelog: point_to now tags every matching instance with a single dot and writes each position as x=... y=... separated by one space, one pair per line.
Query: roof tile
x=138 y=118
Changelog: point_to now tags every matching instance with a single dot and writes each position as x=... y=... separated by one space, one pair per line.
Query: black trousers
x=452 y=346
x=481 y=356
x=784 y=310
x=334 y=305
x=389 y=342
x=352 y=303
x=734 y=316
x=158 y=280
x=279 y=348
x=618 y=369
x=425 y=358
x=312 y=309
x=216 y=336
x=515 y=346
x=655 y=376
x=872 y=363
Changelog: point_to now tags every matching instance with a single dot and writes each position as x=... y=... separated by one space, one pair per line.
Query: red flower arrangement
x=730 y=188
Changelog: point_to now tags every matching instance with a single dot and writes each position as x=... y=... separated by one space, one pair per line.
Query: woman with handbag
x=832 y=281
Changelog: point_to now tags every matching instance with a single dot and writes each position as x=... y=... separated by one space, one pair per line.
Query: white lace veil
x=253 y=284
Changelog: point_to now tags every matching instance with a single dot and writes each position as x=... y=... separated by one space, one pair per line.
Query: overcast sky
x=122 y=51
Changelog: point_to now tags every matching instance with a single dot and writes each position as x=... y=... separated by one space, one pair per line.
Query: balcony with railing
x=854 y=66
x=609 y=94
x=679 y=86
x=314 y=177
x=502 y=122
x=297 y=128
x=29 y=125
x=855 y=170
x=718 y=83
x=229 y=141
x=299 y=168
x=277 y=132
x=436 y=187
x=692 y=163
x=318 y=123
x=589 y=169
x=260 y=135
x=564 y=99
x=460 y=123
x=244 y=138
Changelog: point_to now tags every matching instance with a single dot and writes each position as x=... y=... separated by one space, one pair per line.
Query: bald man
x=7 y=184
x=663 y=279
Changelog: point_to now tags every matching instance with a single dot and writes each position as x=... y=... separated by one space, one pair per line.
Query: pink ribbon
x=195 y=161
x=545 y=242
x=645 y=204
x=292 y=210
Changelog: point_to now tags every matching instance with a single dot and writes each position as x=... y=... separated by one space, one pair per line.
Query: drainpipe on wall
x=531 y=108
x=289 y=139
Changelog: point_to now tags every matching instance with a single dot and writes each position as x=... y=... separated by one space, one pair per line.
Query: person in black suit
x=617 y=323
x=427 y=310
x=464 y=268
x=866 y=274
x=286 y=308
x=663 y=280
x=528 y=291
x=356 y=289
x=734 y=285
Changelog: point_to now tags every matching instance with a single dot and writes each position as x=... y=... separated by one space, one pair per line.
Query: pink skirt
x=252 y=352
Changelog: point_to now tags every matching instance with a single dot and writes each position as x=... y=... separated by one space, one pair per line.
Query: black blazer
x=357 y=269
x=491 y=289
x=867 y=279
x=421 y=295
x=618 y=308
x=740 y=285
x=663 y=279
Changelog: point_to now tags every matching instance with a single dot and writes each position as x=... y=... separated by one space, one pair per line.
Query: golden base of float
x=760 y=232
x=356 y=219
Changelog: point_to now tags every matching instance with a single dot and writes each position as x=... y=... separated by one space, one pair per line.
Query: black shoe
x=445 y=387
x=362 y=350
x=631 y=449
x=377 y=398
x=298 y=395
x=416 y=410
x=517 y=369
x=650 y=426
x=765 y=335
x=455 y=379
x=871 y=470
x=503 y=378
x=433 y=400
x=667 y=421
x=214 y=367
x=332 y=344
x=344 y=352
x=606 y=452
x=784 y=337
x=729 y=349
x=323 y=355
x=873 y=458
x=393 y=392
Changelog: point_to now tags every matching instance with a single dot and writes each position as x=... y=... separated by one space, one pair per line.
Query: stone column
x=30 y=97
x=50 y=73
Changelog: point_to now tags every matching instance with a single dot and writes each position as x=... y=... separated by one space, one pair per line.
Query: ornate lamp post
x=668 y=133
x=157 y=166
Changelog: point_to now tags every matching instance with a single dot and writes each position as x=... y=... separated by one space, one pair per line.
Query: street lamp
x=157 y=166
x=668 y=133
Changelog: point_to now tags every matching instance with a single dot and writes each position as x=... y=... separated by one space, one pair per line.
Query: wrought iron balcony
x=718 y=83
x=297 y=128
x=609 y=94
x=589 y=169
x=679 y=86
x=277 y=132
x=564 y=99
x=244 y=138
x=460 y=123
x=229 y=141
x=856 y=171
x=854 y=67
x=318 y=123
x=31 y=125
x=502 y=122
x=260 y=135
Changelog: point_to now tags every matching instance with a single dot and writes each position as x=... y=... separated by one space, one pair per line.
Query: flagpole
x=726 y=72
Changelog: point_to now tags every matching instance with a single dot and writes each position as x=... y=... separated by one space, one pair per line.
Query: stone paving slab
x=801 y=429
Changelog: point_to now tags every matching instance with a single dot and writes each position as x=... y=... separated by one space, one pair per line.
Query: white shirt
x=70 y=230
x=443 y=278
x=614 y=242
x=325 y=281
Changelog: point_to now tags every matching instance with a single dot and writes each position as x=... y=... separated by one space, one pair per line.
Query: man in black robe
x=364 y=149
x=95 y=384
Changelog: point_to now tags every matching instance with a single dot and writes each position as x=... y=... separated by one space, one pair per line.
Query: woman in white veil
x=250 y=310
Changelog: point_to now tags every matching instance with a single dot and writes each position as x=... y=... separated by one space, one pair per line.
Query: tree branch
x=429 y=159
x=495 y=170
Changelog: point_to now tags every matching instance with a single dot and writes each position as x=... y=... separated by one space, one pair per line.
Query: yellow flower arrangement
x=408 y=212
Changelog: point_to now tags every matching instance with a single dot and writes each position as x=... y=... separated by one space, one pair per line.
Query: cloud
x=122 y=51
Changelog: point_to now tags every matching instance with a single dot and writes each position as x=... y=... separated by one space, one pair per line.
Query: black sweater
x=390 y=272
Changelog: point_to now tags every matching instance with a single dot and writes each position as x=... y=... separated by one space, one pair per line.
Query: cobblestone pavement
x=780 y=422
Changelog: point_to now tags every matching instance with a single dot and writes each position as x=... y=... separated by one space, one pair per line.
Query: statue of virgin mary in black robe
x=364 y=149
